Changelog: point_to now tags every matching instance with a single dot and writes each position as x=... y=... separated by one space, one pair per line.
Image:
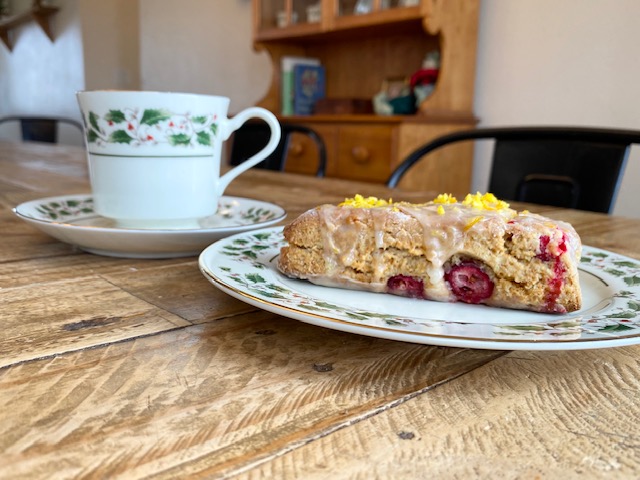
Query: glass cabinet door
x=307 y=11
x=285 y=13
x=282 y=14
x=271 y=13
x=362 y=7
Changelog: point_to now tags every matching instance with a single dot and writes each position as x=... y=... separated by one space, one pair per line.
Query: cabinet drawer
x=365 y=152
x=302 y=155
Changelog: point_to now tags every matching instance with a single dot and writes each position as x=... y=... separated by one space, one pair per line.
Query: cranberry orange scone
x=475 y=251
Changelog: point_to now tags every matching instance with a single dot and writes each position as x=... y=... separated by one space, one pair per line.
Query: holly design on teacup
x=151 y=127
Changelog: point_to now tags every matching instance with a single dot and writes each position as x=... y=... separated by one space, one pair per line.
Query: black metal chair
x=573 y=167
x=253 y=136
x=41 y=128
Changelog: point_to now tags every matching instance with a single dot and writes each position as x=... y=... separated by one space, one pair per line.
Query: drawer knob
x=360 y=154
x=296 y=149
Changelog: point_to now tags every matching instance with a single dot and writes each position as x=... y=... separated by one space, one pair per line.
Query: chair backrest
x=253 y=136
x=41 y=128
x=574 y=167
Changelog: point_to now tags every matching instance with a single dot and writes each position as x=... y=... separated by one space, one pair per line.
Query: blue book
x=308 y=88
x=287 y=65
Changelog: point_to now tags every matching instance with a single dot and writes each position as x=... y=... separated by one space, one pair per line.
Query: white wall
x=561 y=62
x=111 y=44
x=202 y=46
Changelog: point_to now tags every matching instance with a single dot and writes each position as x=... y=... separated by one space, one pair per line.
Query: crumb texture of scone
x=475 y=251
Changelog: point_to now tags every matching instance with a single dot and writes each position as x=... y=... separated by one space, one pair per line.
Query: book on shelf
x=287 y=64
x=308 y=87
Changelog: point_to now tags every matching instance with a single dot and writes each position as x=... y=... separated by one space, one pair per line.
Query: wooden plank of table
x=230 y=393
x=61 y=310
x=526 y=415
x=42 y=262
x=179 y=289
x=43 y=168
x=23 y=242
x=73 y=315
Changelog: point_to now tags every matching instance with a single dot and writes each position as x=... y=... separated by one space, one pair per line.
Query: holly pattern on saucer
x=62 y=208
x=151 y=127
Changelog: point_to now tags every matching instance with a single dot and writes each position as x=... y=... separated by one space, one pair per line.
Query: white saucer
x=71 y=219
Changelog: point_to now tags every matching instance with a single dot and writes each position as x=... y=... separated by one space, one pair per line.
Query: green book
x=287 y=65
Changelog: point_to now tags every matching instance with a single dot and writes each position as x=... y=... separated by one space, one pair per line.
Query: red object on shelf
x=424 y=76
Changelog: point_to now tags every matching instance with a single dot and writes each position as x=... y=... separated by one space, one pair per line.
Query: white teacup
x=154 y=157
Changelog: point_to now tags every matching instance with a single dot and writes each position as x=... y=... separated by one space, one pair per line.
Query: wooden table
x=121 y=368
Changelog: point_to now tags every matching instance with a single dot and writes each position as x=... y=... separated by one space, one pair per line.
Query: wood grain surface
x=526 y=415
x=129 y=368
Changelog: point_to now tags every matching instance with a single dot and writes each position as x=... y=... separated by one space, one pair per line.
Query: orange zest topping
x=445 y=198
x=359 y=201
x=472 y=222
x=488 y=201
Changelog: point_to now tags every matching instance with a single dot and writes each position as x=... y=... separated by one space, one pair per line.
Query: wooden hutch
x=359 y=52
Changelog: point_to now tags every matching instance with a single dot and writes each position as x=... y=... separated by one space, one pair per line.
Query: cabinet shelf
x=41 y=14
x=300 y=30
x=383 y=21
x=425 y=117
x=383 y=17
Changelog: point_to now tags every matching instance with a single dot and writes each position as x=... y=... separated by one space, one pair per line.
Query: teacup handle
x=235 y=123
